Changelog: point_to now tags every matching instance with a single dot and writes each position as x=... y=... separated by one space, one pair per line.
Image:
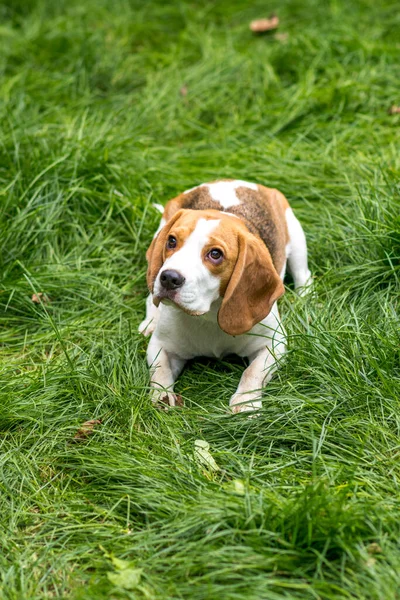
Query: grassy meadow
x=107 y=107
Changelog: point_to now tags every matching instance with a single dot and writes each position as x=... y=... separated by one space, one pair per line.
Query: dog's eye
x=215 y=255
x=171 y=242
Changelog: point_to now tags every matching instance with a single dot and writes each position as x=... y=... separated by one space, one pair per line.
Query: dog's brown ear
x=253 y=288
x=155 y=252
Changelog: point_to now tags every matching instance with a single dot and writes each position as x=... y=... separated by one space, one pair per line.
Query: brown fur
x=251 y=287
x=264 y=215
x=261 y=210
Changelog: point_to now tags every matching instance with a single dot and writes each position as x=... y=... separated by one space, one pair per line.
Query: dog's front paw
x=164 y=400
x=147 y=326
x=245 y=402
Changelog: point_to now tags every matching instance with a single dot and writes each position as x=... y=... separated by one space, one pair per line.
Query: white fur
x=158 y=207
x=189 y=336
x=296 y=252
x=201 y=288
x=148 y=325
x=224 y=192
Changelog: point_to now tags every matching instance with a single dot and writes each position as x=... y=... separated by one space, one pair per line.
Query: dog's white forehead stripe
x=224 y=192
x=199 y=236
x=191 y=251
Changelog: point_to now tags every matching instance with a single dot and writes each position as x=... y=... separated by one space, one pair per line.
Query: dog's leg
x=148 y=325
x=248 y=394
x=263 y=364
x=164 y=370
x=297 y=259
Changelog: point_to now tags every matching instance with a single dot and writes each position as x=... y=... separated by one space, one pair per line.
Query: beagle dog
x=215 y=272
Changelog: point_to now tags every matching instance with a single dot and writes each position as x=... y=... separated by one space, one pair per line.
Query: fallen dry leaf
x=127 y=579
x=261 y=25
x=163 y=402
x=236 y=486
x=394 y=110
x=39 y=298
x=374 y=548
x=178 y=400
x=203 y=455
x=126 y=575
x=86 y=429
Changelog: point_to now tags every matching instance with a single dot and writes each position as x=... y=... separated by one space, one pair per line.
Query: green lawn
x=94 y=129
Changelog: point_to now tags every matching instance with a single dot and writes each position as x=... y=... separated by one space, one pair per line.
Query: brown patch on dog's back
x=197 y=199
x=263 y=212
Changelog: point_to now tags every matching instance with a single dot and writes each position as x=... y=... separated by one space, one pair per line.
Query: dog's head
x=200 y=256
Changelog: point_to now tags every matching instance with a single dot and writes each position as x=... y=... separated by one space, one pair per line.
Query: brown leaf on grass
x=394 y=110
x=39 y=298
x=86 y=429
x=184 y=91
x=178 y=400
x=164 y=402
x=262 y=25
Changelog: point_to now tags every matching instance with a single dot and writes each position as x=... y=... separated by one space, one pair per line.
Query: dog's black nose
x=170 y=280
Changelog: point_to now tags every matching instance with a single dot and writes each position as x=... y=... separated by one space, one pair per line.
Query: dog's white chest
x=188 y=336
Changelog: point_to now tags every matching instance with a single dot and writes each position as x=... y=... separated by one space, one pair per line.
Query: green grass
x=93 y=131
